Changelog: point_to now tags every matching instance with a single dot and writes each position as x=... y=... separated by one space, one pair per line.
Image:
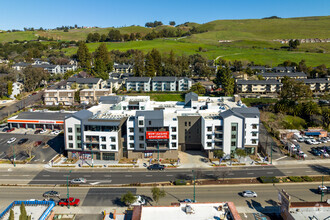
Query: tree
x=138 y=67
x=102 y=54
x=225 y=79
x=33 y=77
x=198 y=88
x=172 y=23
x=23 y=215
x=157 y=194
x=90 y=37
x=100 y=69
x=326 y=117
x=218 y=154
x=96 y=37
x=157 y=61
x=10 y=88
x=294 y=90
x=114 y=35
x=11 y=215
x=240 y=153
x=293 y=44
x=103 y=38
x=77 y=96
x=132 y=37
x=83 y=56
x=128 y=198
x=150 y=69
x=66 y=29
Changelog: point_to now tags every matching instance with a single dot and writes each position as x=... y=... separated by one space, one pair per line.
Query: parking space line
x=231 y=174
x=309 y=171
x=45 y=175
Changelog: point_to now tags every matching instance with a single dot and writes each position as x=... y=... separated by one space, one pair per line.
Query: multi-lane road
x=127 y=176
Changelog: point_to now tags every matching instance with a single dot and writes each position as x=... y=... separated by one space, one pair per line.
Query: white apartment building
x=164 y=84
x=136 y=127
x=138 y=84
x=59 y=97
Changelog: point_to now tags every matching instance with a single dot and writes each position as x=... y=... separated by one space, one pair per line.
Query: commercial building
x=136 y=127
x=191 y=211
x=258 y=86
x=39 y=119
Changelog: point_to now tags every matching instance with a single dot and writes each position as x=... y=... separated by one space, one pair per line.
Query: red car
x=10 y=130
x=73 y=202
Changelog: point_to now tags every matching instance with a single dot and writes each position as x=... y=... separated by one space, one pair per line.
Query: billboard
x=154 y=135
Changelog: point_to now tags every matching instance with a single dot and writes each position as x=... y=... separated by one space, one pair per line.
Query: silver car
x=78 y=181
x=249 y=193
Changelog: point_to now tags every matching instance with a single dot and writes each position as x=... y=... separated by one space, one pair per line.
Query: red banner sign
x=157 y=135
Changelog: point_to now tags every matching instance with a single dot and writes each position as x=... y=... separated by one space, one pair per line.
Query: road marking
x=309 y=171
x=149 y=175
x=250 y=173
x=107 y=175
x=270 y=172
x=231 y=174
x=4 y=175
x=66 y=175
x=25 y=175
x=289 y=172
x=169 y=175
x=87 y=175
x=45 y=175
x=128 y=175
x=281 y=158
x=95 y=183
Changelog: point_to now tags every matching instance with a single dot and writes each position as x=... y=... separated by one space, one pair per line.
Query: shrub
x=180 y=182
x=295 y=179
x=268 y=179
x=307 y=178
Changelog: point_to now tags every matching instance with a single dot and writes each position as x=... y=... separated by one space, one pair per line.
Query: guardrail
x=50 y=204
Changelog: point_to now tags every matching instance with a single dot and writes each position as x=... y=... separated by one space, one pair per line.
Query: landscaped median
x=287 y=179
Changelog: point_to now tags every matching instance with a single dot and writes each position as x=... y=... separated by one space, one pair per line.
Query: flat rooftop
x=40 y=115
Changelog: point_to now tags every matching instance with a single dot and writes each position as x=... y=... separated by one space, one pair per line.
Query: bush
x=268 y=179
x=295 y=179
x=180 y=182
x=307 y=178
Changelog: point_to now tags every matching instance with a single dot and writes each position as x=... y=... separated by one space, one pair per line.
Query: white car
x=78 y=181
x=11 y=140
x=139 y=201
x=301 y=139
x=43 y=131
x=249 y=193
x=57 y=132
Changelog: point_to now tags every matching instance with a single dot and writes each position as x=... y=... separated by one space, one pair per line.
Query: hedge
x=268 y=179
x=180 y=182
x=296 y=179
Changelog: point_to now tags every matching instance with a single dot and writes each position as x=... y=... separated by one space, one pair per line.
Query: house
x=20 y=66
x=59 y=96
x=52 y=69
x=138 y=84
x=86 y=83
x=114 y=75
x=281 y=75
x=164 y=84
x=260 y=69
x=92 y=96
x=66 y=68
x=284 y=69
x=17 y=89
x=318 y=84
x=258 y=86
x=122 y=68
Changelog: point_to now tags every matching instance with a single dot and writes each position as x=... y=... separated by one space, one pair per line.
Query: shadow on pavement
x=321 y=169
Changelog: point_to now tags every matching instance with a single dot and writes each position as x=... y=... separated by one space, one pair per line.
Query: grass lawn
x=293 y=122
x=160 y=97
x=257 y=101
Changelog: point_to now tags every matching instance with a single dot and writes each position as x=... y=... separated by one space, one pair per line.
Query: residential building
x=164 y=84
x=184 y=84
x=318 y=84
x=122 y=68
x=187 y=211
x=258 y=86
x=284 y=69
x=114 y=83
x=59 y=97
x=17 y=89
x=20 y=66
x=260 y=69
x=92 y=96
x=66 y=68
x=279 y=75
x=138 y=84
x=145 y=128
x=86 y=83
x=52 y=69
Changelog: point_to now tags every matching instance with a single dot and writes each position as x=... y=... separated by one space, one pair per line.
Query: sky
x=17 y=14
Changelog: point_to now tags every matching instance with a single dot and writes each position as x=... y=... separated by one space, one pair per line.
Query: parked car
x=5 y=129
x=249 y=193
x=324 y=189
x=301 y=154
x=156 y=167
x=11 y=140
x=316 y=152
x=37 y=132
x=34 y=93
x=10 y=130
x=301 y=139
x=72 y=201
x=37 y=143
x=43 y=131
x=139 y=201
x=23 y=140
x=51 y=194
x=187 y=200
x=78 y=181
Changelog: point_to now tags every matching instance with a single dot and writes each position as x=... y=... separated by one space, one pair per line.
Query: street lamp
x=92 y=156
x=67 y=186
x=194 y=185
x=14 y=156
x=158 y=150
x=322 y=191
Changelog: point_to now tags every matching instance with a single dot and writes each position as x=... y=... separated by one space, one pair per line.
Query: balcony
x=92 y=139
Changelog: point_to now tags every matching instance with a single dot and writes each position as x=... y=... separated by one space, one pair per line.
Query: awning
x=312 y=133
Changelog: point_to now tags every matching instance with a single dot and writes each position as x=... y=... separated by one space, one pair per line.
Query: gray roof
x=242 y=112
x=83 y=114
x=164 y=78
x=117 y=75
x=156 y=117
x=110 y=99
x=22 y=64
x=115 y=80
x=122 y=66
x=258 y=82
x=294 y=74
x=84 y=80
x=138 y=79
x=44 y=66
x=186 y=78
x=191 y=96
x=127 y=75
x=316 y=80
x=43 y=115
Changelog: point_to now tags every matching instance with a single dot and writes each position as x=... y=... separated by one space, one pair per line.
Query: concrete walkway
x=192 y=159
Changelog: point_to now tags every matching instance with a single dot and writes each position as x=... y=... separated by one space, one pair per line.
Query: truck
x=324 y=189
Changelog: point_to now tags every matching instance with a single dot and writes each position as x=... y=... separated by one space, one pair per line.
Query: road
x=10 y=109
x=127 y=176
x=110 y=197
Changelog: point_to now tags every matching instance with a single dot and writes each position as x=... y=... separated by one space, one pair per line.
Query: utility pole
x=92 y=157
x=194 y=185
x=67 y=186
x=158 y=150
x=271 y=153
x=322 y=192
x=14 y=156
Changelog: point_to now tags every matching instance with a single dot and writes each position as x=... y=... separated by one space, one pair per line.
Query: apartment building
x=138 y=84
x=86 y=83
x=164 y=84
x=92 y=96
x=114 y=83
x=136 y=127
x=184 y=84
x=258 y=86
x=122 y=68
x=280 y=75
x=59 y=97
x=318 y=84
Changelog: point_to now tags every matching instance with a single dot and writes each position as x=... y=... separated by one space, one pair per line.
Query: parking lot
x=51 y=145
x=306 y=148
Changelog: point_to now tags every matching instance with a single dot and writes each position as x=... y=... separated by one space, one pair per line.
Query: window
x=141 y=130
x=102 y=138
x=254 y=126
x=141 y=138
x=113 y=139
x=190 y=123
x=254 y=134
x=233 y=143
x=209 y=144
x=174 y=145
x=209 y=136
x=173 y=137
x=141 y=145
x=149 y=122
x=173 y=129
x=209 y=128
x=70 y=145
x=70 y=137
x=78 y=129
x=131 y=137
x=131 y=145
x=113 y=147
x=79 y=138
x=79 y=145
x=70 y=130
x=233 y=128
x=141 y=122
x=218 y=144
x=218 y=128
x=233 y=136
x=254 y=141
x=131 y=129
x=103 y=146
x=185 y=123
x=218 y=136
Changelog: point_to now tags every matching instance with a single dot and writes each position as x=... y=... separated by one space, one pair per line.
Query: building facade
x=138 y=84
x=59 y=97
x=92 y=96
x=258 y=86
